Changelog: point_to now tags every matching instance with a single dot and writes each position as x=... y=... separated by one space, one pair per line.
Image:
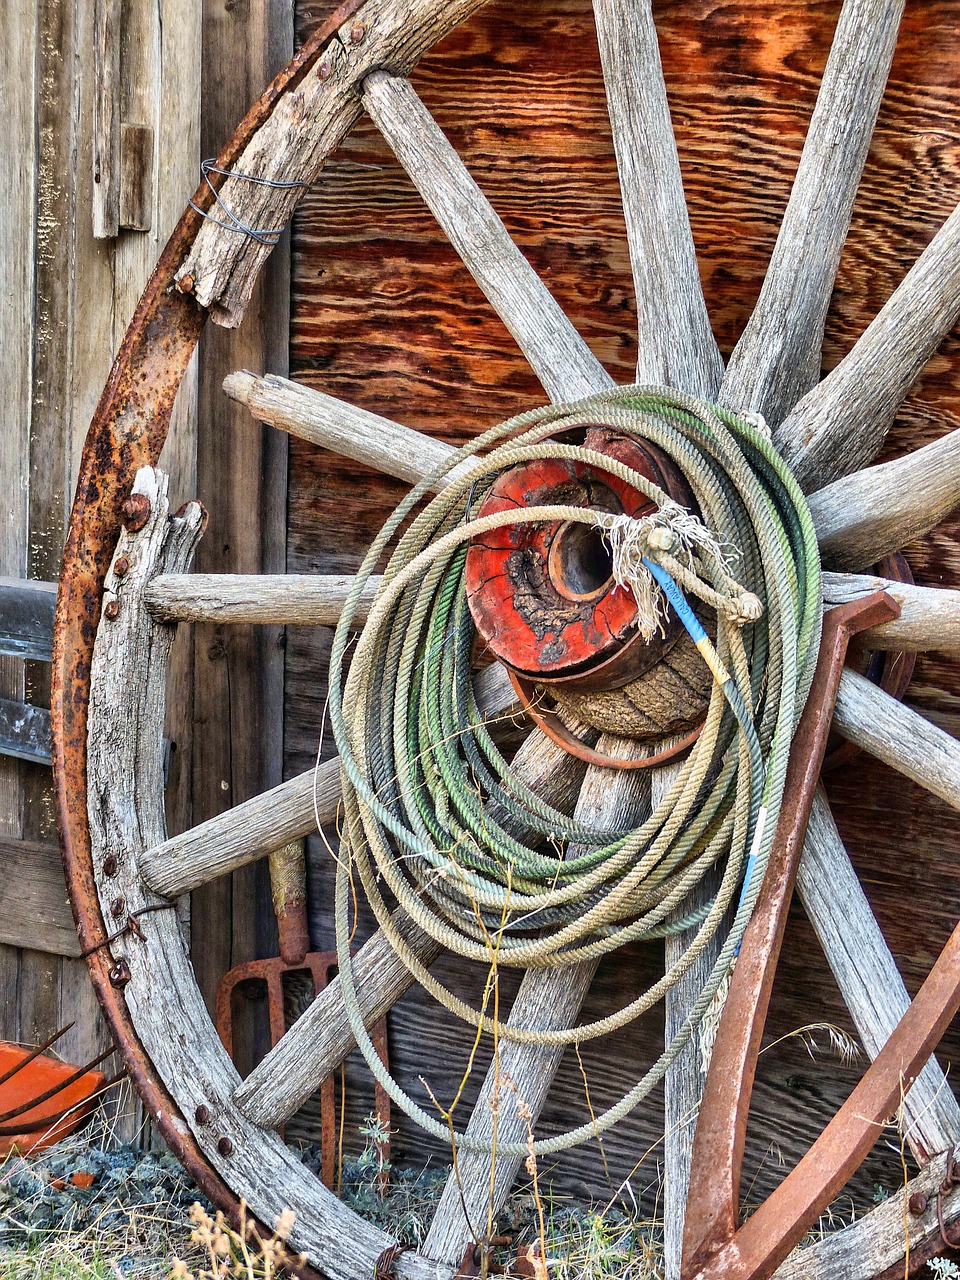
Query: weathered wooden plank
x=867 y=975
x=778 y=357
x=676 y=346
x=333 y=424
x=929 y=616
x=34 y=908
x=26 y=618
x=263 y=598
x=861 y=518
x=24 y=731
x=18 y=63
x=242 y=478
x=53 y=989
x=841 y=423
x=559 y=357
x=135 y=198
x=899 y=736
x=292 y=146
x=107 y=17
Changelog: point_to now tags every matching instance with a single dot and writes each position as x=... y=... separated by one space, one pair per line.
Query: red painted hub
x=542 y=595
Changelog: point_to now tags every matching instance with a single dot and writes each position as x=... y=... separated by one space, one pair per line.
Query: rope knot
x=680 y=543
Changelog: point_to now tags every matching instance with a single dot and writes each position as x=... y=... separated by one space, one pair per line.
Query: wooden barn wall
x=385 y=315
x=187 y=72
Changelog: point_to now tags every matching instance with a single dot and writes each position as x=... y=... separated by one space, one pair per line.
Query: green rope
x=423 y=780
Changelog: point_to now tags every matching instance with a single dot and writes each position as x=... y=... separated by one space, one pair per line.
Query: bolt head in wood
x=110 y=865
x=325 y=69
x=111 y=609
x=135 y=512
x=202 y=1114
x=917 y=1203
x=186 y=283
x=118 y=906
x=225 y=1147
x=357 y=32
x=119 y=974
x=122 y=567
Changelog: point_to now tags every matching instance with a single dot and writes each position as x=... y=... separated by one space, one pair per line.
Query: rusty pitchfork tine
x=713 y=1201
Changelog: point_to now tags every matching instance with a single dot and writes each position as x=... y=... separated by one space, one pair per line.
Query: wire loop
x=269 y=235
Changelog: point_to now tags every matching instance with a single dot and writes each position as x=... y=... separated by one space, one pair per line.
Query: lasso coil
x=424 y=780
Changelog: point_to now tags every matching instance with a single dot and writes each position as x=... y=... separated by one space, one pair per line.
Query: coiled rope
x=424 y=781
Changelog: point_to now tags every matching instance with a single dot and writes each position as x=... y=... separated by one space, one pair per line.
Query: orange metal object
x=554 y=728
x=47 y=1103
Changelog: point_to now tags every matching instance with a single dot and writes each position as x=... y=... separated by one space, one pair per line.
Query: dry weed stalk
x=239 y=1254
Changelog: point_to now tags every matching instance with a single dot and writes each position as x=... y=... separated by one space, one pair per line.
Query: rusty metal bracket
x=714 y=1249
x=714 y=1198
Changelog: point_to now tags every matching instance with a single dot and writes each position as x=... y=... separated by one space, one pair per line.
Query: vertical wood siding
x=187 y=72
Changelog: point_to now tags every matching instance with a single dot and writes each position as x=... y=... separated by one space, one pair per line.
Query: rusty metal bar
x=714 y=1197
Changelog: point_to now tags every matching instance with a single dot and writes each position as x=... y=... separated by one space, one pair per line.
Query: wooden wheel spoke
x=278 y=599
x=547 y=999
x=898 y=736
x=559 y=357
x=677 y=346
x=929 y=616
x=334 y=424
x=778 y=356
x=841 y=424
x=867 y=974
x=267 y=822
x=864 y=517
x=243 y=834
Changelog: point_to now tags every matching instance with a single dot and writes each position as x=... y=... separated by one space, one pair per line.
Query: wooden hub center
x=543 y=596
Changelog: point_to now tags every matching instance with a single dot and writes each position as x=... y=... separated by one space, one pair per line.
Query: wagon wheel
x=124 y=873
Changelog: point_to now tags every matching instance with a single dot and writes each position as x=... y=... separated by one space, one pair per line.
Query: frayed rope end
x=671 y=530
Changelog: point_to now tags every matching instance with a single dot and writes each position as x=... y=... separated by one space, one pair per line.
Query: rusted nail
x=917 y=1203
x=202 y=1114
x=118 y=906
x=111 y=609
x=119 y=974
x=110 y=865
x=186 y=283
x=357 y=32
x=325 y=69
x=135 y=512
x=122 y=567
x=225 y=1147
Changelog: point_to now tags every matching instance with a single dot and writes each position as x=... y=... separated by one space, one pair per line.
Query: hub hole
x=580 y=562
